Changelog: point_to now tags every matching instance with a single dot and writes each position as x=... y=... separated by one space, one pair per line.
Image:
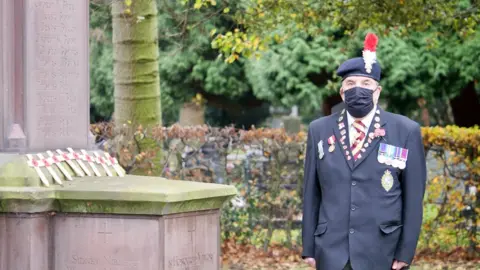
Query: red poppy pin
x=379 y=132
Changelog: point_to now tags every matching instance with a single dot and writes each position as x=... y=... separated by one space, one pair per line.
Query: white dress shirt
x=367 y=121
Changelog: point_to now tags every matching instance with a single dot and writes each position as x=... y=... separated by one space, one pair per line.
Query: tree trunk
x=136 y=71
x=135 y=54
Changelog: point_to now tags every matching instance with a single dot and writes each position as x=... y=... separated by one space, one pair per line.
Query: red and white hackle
x=369 y=51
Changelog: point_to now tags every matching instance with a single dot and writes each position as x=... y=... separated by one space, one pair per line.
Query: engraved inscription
x=57 y=73
x=107 y=262
x=190 y=262
x=194 y=245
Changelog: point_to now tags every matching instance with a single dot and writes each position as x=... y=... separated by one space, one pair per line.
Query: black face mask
x=359 y=101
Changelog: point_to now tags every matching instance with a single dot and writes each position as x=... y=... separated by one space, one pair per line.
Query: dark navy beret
x=356 y=67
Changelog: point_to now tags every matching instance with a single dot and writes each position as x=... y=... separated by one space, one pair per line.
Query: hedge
x=267 y=167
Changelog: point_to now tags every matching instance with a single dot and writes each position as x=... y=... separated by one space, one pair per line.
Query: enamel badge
x=387 y=180
x=331 y=142
x=320 y=149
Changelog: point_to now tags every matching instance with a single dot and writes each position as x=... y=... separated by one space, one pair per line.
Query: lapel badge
x=341 y=125
x=377 y=125
x=320 y=149
x=343 y=132
x=377 y=119
x=387 y=180
x=331 y=142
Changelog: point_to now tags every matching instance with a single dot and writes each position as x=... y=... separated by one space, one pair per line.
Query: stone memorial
x=64 y=205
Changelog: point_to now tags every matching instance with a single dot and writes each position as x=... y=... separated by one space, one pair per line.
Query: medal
x=387 y=180
x=396 y=159
x=320 y=149
x=390 y=154
x=403 y=158
x=381 y=153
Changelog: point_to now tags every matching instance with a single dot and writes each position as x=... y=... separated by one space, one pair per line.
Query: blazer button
x=353 y=208
x=354 y=183
x=352 y=231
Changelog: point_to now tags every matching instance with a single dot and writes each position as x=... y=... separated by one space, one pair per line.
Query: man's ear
x=377 y=94
x=342 y=93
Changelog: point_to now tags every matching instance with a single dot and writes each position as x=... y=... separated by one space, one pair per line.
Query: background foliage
x=432 y=66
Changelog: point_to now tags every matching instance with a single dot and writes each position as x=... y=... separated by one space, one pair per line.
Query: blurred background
x=222 y=91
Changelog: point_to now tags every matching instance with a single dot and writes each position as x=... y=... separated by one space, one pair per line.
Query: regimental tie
x=357 y=145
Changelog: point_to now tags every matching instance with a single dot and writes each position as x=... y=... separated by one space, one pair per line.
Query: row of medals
x=392 y=156
x=343 y=132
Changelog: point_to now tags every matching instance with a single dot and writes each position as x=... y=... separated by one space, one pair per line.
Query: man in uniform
x=365 y=176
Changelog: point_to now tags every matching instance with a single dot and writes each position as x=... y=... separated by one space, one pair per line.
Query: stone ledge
x=126 y=195
x=20 y=191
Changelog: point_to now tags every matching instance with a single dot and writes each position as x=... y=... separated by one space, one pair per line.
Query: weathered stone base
x=115 y=242
x=25 y=241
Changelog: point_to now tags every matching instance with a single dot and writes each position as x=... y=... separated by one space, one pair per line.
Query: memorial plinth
x=121 y=223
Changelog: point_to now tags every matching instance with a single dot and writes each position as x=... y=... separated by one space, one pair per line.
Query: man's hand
x=310 y=261
x=397 y=265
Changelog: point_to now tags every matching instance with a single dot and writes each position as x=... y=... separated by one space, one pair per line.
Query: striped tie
x=357 y=145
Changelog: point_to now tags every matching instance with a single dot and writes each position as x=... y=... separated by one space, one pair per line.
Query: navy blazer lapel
x=371 y=140
x=343 y=141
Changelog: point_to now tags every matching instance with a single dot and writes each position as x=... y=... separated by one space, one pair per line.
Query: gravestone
x=192 y=114
x=62 y=207
x=286 y=119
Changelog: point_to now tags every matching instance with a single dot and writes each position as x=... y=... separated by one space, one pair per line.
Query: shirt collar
x=367 y=120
